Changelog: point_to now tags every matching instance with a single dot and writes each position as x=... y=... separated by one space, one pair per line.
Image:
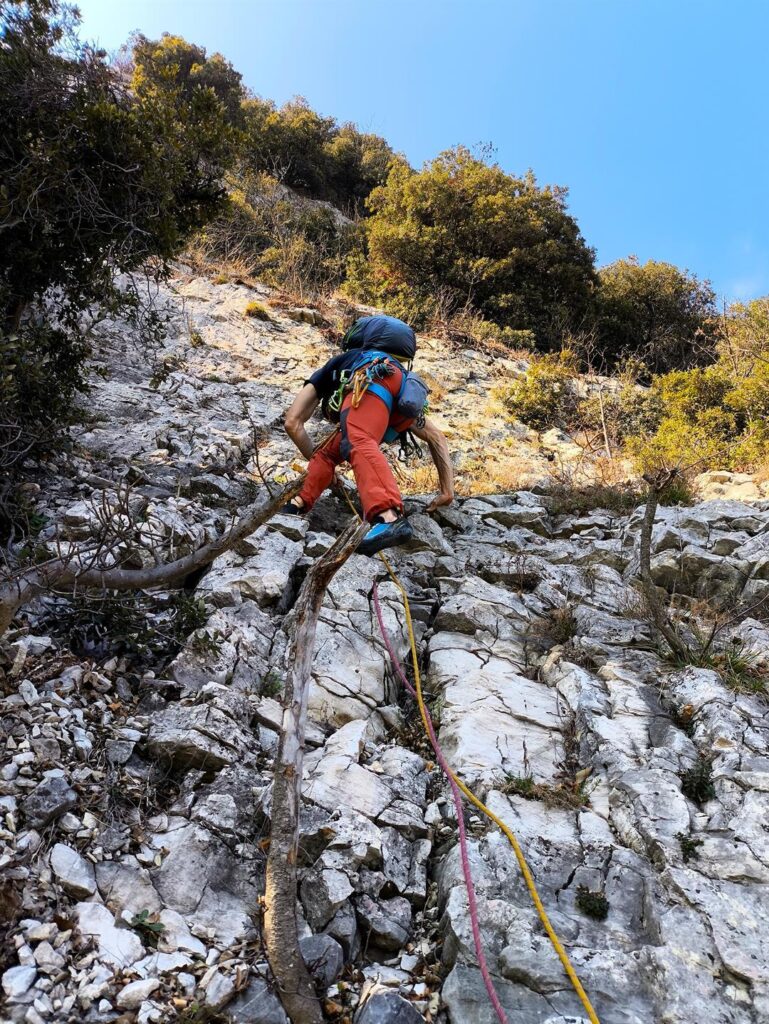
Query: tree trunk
x=297 y=991
x=65 y=573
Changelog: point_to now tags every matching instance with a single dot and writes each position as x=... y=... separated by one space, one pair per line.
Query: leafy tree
x=313 y=154
x=94 y=180
x=655 y=312
x=358 y=163
x=180 y=71
x=289 y=143
x=464 y=232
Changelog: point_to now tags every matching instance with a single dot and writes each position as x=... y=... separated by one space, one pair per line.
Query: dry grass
x=437 y=390
x=564 y=795
x=496 y=473
x=761 y=475
x=579 y=500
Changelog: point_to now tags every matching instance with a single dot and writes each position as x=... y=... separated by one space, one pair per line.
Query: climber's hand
x=439 y=501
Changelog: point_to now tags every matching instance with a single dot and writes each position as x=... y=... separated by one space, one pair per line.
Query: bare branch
x=280 y=932
x=66 y=572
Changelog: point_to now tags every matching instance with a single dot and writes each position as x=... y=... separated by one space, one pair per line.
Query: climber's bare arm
x=302 y=408
x=439 y=452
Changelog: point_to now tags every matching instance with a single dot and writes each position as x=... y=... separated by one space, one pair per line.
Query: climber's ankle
x=389 y=515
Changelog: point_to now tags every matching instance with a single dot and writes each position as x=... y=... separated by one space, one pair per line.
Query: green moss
x=256 y=311
x=594 y=904
x=689 y=846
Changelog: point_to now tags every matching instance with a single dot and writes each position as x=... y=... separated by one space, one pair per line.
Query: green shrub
x=97 y=179
x=266 y=232
x=594 y=904
x=657 y=313
x=628 y=412
x=697 y=782
x=473 y=329
x=461 y=233
x=678 y=492
x=142 y=628
x=689 y=846
x=712 y=417
x=545 y=396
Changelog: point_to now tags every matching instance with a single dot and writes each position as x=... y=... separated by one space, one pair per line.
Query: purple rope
x=471 y=898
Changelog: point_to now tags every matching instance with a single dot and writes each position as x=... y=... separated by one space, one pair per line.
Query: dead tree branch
x=660 y=618
x=280 y=932
x=67 y=572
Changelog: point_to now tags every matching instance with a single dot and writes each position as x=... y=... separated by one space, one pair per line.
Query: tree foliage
x=481 y=239
x=656 y=312
x=95 y=179
x=312 y=153
x=717 y=416
x=269 y=232
x=181 y=73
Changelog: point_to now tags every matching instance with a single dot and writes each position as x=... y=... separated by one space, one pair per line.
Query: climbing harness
x=365 y=376
x=457 y=785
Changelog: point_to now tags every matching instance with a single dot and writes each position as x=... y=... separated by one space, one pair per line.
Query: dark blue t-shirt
x=327 y=379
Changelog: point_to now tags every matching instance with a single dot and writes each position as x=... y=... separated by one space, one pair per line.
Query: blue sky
x=654 y=113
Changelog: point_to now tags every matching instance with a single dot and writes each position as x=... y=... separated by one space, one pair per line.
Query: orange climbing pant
x=357 y=441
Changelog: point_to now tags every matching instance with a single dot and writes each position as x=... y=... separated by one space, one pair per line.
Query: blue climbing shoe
x=290 y=509
x=386 y=535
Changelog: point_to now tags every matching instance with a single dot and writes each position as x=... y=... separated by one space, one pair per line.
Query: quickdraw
x=408 y=447
x=358 y=381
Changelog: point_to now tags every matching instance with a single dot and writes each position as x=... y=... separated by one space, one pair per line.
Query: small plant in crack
x=523 y=578
x=203 y=642
x=436 y=705
x=689 y=846
x=567 y=794
x=557 y=628
x=198 y=1013
x=738 y=669
x=521 y=785
x=273 y=683
x=592 y=903
x=148 y=929
x=683 y=719
x=697 y=782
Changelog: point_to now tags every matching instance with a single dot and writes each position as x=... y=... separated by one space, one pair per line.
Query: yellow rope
x=563 y=956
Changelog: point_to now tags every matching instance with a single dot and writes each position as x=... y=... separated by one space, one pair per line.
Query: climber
x=364 y=389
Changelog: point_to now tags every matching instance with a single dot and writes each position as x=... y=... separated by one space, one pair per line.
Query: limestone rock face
x=135 y=792
x=209 y=734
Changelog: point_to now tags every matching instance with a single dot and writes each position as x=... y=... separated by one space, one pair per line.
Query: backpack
x=382 y=333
